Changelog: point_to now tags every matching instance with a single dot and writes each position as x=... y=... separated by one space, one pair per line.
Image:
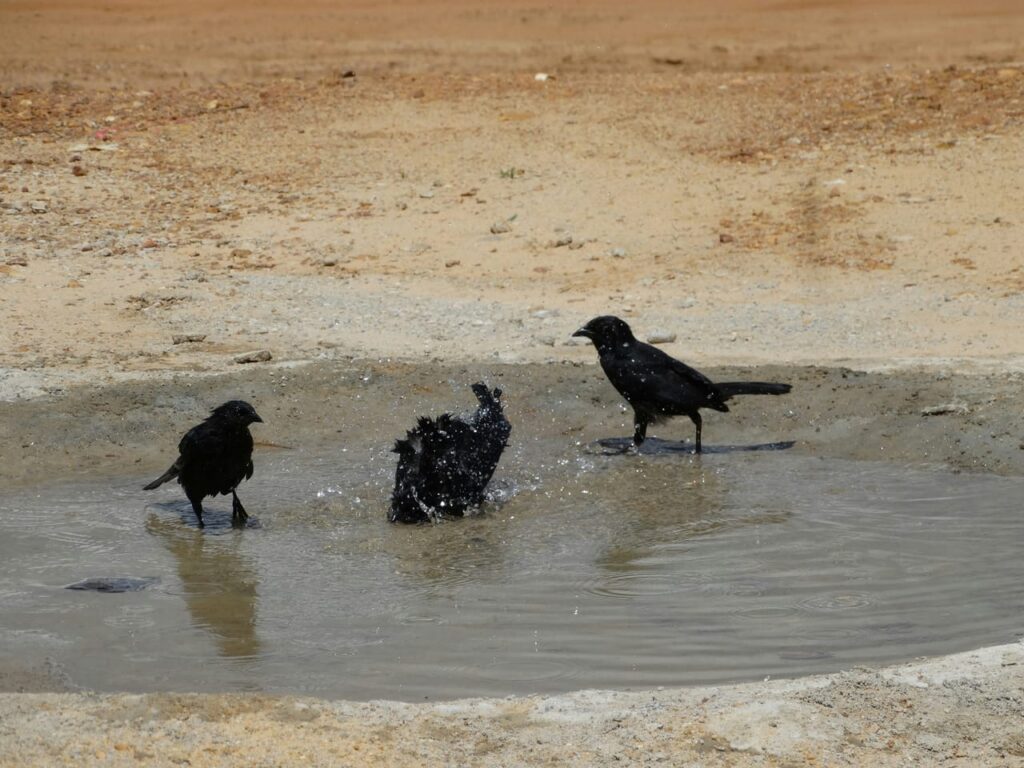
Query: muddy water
x=585 y=570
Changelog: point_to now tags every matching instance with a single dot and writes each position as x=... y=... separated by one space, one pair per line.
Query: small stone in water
x=113 y=584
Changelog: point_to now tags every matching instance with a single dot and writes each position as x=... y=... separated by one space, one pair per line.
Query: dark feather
x=214 y=456
x=445 y=463
x=657 y=385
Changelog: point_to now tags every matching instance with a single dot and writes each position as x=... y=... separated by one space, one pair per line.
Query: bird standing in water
x=657 y=385
x=214 y=457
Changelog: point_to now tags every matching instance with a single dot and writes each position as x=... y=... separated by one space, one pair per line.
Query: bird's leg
x=238 y=513
x=696 y=419
x=197 y=508
x=639 y=429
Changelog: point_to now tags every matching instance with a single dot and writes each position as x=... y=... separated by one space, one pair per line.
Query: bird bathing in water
x=445 y=463
x=214 y=457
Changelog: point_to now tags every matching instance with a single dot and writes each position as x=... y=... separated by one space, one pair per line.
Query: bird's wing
x=666 y=366
x=203 y=443
x=690 y=375
x=192 y=442
x=646 y=375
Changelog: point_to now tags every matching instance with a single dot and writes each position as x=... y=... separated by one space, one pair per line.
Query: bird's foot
x=238 y=514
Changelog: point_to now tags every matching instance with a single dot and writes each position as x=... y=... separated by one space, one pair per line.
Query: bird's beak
x=256 y=417
x=584 y=332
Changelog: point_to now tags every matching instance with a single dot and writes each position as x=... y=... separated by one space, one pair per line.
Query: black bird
x=659 y=386
x=215 y=456
x=444 y=464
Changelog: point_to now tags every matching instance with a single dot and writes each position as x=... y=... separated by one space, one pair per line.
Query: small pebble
x=188 y=338
x=39 y=206
x=660 y=337
x=500 y=227
x=260 y=356
x=944 y=408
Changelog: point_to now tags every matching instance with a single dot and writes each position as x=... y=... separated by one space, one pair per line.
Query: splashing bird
x=445 y=463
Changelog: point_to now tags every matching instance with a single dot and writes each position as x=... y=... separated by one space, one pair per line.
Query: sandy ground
x=797 y=184
x=835 y=183
x=931 y=713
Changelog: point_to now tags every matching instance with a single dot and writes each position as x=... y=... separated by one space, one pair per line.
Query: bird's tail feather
x=170 y=474
x=732 y=388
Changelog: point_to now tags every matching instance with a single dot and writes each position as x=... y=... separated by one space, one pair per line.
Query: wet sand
x=927 y=417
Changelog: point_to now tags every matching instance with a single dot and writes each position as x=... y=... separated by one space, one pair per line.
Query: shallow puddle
x=585 y=570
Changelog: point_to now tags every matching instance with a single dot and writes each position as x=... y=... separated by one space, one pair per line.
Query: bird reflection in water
x=219 y=583
x=640 y=528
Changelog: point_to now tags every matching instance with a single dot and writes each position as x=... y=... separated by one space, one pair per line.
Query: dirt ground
x=817 y=186
x=931 y=713
x=772 y=182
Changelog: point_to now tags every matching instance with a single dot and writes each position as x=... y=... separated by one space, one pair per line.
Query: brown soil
x=798 y=182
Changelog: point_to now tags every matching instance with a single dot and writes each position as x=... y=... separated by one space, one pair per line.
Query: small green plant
x=511 y=173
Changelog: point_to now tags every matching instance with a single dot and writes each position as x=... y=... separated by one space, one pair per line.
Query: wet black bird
x=659 y=386
x=445 y=463
x=215 y=456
